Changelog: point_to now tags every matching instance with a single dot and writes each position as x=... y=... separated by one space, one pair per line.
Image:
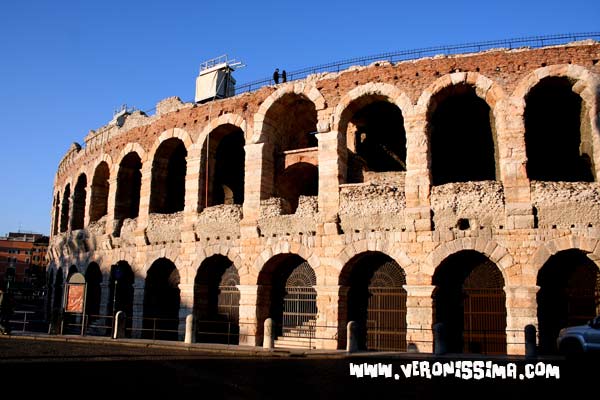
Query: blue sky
x=67 y=65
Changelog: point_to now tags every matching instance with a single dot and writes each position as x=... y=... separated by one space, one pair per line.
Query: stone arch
x=129 y=148
x=284 y=247
x=382 y=246
x=496 y=253
x=225 y=119
x=262 y=130
x=56 y=221
x=203 y=253
x=585 y=84
x=572 y=242
x=176 y=133
x=392 y=93
x=472 y=152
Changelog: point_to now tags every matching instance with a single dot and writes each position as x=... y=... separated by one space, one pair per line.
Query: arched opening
x=120 y=292
x=462 y=136
x=168 y=177
x=372 y=295
x=375 y=136
x=93 y=278
x=161 y=301
x=64 y=212
x=129 y=183
x=299 y=179
x=79 y=202
x=100 y=187
x=569 y=295
x=225 y=170
x=293 y=120
x=56 y=214
x=557 y=133
x=217 y=301
x=286 y=294
x=469 y=301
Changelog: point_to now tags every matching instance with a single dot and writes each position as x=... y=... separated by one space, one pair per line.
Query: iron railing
x=404 y=55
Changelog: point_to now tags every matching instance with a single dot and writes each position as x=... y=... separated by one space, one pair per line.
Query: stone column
x=145 y=191
x=332 y=168
x=112 y=201
x=326 y=333
x=418 y=183
x=521 y=310
x=192 y=196
x=419 y=316
x=186 y=306
x=512 y=157
x=88 y=202
x=258 y=184
x=247 y=318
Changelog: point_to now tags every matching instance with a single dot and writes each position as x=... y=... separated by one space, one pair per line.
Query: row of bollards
x=439 y=335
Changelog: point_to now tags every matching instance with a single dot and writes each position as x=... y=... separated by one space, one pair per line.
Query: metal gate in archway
x=228 y=306
x=484 y=305
x=300 y=303
x=386 y=309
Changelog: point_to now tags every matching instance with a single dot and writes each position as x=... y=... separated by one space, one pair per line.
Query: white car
x=581 y=338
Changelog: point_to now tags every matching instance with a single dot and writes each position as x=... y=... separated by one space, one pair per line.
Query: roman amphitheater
x=457 y=189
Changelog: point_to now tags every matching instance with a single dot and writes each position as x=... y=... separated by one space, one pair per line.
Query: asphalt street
x=107 y=369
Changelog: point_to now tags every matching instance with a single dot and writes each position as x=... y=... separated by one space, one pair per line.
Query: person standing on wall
x=283 y=76
x=276 y=76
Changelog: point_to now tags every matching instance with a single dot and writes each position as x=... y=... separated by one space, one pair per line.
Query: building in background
x=23 y=258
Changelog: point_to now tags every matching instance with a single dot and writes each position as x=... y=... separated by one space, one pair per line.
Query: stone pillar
x=138 y=307
x=112 y=201
x=521 y=310
x=186 y=305
x=192 y=195
x=248 y=298
x=145 y=191
x=258 y=180
x=88 y=201
x=419 y=317
x=512 y=157
x=418 y=183
x=326 y=332
x=332 y=168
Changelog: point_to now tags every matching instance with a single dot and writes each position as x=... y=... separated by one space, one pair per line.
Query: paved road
x=78 y=370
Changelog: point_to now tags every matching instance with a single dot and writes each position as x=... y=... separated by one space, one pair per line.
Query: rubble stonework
x=514 y=221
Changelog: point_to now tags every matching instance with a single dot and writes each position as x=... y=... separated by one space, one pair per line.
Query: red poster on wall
x=75 y=298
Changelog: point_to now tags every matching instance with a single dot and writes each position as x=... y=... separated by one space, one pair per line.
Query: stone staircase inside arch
x=298 y=337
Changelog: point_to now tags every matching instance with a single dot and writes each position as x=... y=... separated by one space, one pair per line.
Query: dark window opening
x=64 y=214
x=168 y=177
x=79 y=203
x=300 y=179
x=462 y=138
x=100 y=186
x=129 y=183
x=375 y=137
x=557 y=133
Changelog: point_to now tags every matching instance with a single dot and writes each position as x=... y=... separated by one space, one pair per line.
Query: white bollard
x=268 y=335
x=189 y=329
x=351 y=339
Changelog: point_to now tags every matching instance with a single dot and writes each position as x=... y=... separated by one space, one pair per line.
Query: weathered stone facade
x=515 y=221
